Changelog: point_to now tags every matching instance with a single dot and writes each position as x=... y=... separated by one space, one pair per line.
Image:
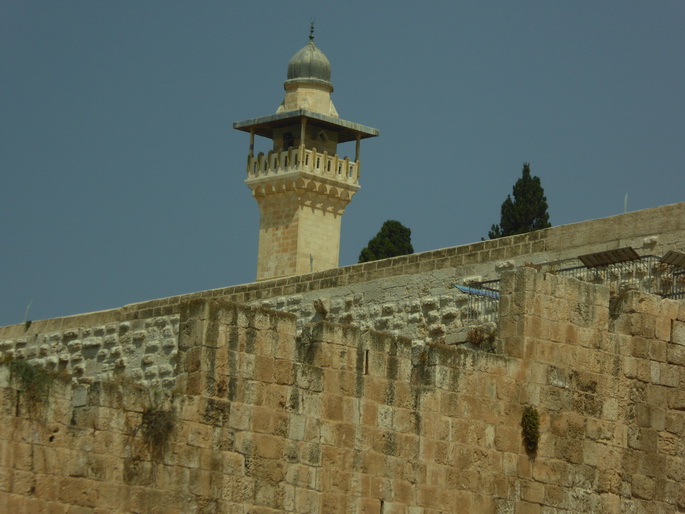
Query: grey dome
x=309 y=64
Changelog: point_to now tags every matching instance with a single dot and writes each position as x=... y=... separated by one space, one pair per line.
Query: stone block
x=514 y=347
x=296 y=427
x=610 y=409
x=284 y=372
x=555 y=399
x=675 y=421
x=642 y=487
x=4 y=376
x=678 y=332
x=657 y=350
x=524 y=507
x=675 y=354
x=307 y=501
x=532 y=492
x=371 y=506
x=644 y=370
x=369 y=413
x=555 y=496
x=669 y=375
x=676 y=400
x=569 y=450
x=240 y=417
x=508 y=439
x=264 y=368
x=77 y=491
x=630 y=367
x=284 y=346
x=268 y=446
x=198 y=434
x=640 y=347
x=333 y=407
x=662 y=329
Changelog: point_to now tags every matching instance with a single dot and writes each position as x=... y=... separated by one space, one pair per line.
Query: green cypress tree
x=526 y=212
x=392 y=240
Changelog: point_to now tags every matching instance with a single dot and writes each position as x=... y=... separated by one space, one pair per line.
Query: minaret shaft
x=302 y=195
x=297 y=234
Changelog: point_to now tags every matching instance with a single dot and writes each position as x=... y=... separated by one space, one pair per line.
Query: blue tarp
x=478 y=292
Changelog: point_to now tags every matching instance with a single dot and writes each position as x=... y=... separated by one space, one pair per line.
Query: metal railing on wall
x=483 y=301
x=649 y=273
x=619 y=269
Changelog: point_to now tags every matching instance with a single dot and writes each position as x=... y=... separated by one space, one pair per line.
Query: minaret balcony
x=300 y=158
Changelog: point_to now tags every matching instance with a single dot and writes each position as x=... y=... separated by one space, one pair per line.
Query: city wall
x=267 y=418
x=410 y=296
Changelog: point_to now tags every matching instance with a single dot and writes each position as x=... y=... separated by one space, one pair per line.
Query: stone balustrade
x=302 y=159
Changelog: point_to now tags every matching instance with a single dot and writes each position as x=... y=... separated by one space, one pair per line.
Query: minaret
x=302 y=186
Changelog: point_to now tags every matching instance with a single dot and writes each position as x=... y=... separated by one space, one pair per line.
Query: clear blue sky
x=122 y=178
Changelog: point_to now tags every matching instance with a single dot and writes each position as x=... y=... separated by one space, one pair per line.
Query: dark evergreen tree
x=392 y=240
x=526 y=212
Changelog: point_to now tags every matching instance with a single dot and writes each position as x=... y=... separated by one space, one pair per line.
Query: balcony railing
x=303 y=159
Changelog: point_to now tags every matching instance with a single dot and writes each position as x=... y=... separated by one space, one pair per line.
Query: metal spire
x=311 y=30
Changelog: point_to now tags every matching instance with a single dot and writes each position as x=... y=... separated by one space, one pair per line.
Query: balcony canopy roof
x=264 y=125
x=599 y=259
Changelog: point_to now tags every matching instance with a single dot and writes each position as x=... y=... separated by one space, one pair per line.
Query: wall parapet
x=654 y=230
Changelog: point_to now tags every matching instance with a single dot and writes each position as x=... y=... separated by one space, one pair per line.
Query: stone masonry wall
x=337 y=419
x=411 y=296
x=100 y=348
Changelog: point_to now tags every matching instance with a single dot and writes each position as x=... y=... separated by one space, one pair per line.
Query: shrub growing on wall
x=530 y=423
x=34 y=381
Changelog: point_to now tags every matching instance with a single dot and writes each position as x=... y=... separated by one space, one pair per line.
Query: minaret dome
x=308 y=85
x=310 y=65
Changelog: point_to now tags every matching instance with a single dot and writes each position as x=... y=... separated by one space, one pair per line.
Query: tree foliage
x=526 y=212
x=392 y=240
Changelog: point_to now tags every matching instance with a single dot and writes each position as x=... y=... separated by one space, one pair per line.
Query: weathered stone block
x=642 y=487
x=508 y=439
x=678 y=331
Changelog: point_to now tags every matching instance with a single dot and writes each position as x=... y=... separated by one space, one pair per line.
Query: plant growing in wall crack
x=157 y=426
x=34 y=381
x=482 y=337
x=158 y=423
x=530 y=423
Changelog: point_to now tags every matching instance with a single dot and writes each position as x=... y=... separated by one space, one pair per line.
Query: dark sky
x=122 y=178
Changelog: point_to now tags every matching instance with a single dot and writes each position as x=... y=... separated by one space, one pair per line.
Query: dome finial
x=311 y=29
